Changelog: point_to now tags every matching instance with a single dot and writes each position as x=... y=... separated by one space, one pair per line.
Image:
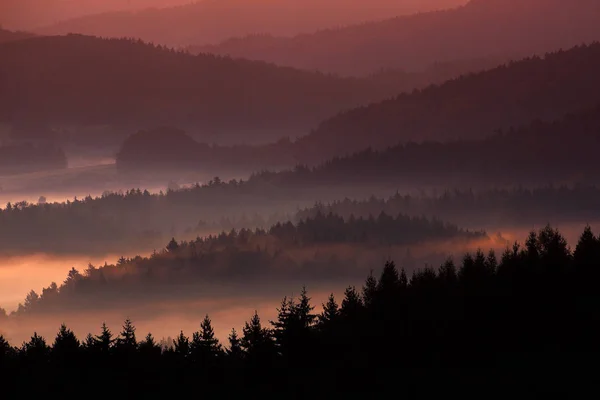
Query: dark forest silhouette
x=535 y=306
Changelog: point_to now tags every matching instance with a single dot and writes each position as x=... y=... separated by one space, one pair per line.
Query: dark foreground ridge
x=484 y=322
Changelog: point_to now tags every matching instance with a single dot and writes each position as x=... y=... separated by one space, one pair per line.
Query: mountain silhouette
x=471 y=106
x=482 y=28
x=84 y=80
x=211 y=21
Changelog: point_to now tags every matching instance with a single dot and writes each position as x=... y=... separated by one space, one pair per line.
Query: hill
x=472 y=106
x=78 y=80
x=482 y=28
x=212 y=21
x=541 y=152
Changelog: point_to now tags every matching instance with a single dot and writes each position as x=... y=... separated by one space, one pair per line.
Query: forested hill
x=536 y=153
x=77 y=79
x=472 y=106
x=542 y=152
x=482 y=28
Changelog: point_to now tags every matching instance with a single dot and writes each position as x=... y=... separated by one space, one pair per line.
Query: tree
x=36 y=349
x=66 y=346
x=172 y=246
x=182 y=345
x=330 y=313
x=586 y=257
x=149 y=348
x=205 y=346
x=105 y=340
x=5 y=349
x=90 y=343
x=303 y=311
x=234 y=351
x=352 y=304
x=256 y=340
x=127 y=341
x=370 y=290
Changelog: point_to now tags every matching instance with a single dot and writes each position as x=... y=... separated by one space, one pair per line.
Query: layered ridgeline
x=212 y=21
x=71 y=81
x=482 y=28
x=118 y=223
x=532 y=309
x=314 y=248
x=516 y=207
x=472 y=106
x=540 y=152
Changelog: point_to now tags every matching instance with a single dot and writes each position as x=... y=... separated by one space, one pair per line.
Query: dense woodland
x=502 y=207
x=284 y=251
x=569 y=142
x=137 y=84
x=473 y=106
x=516 y=28
x=532 y=309
x=138 y=219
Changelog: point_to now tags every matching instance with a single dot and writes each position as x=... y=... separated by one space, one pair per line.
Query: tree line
x=515 y=205
x=244 y=255
x=534 y=307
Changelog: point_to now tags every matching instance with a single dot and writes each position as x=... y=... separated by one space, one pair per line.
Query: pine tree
x=234 y=351
x=352 y=304
x=370 y=290
x=105 y=340
x=36 y=349
x=5 y=349
x=127 y=340
x=256 y=340
x=149 y=347
x=66 y=345
x=303 y=310
x=182 y=345
x=330 y=313
x=205 y=346
x=90 y=343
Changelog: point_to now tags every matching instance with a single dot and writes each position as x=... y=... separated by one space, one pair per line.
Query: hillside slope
x=212 y=21
x=76 y=80
x=472 y=106
x=482 y=28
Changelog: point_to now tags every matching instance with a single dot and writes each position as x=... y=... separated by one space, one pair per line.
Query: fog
x=229 y=303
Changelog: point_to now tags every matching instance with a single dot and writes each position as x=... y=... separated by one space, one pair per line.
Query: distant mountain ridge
x=472 y=106
x=480 y=29
x=212 y=21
